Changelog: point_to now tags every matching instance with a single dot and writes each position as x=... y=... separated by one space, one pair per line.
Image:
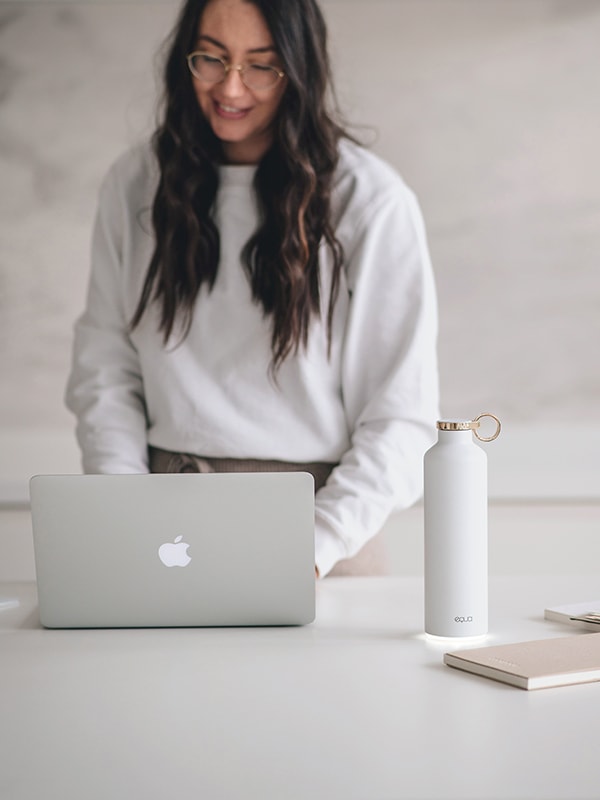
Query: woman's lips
x=230 y=112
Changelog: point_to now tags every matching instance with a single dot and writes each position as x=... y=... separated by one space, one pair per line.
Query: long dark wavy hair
x=293 y=185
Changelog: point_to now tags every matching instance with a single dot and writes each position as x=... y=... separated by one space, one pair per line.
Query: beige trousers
x=370 y=560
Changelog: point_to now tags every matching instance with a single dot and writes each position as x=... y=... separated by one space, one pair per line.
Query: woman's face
x=242 y=118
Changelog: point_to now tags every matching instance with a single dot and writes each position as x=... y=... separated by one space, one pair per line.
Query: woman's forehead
x=234 y=24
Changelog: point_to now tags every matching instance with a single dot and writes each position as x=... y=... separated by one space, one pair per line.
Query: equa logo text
x=463 y=619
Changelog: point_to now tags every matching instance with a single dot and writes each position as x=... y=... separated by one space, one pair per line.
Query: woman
x=261 y=295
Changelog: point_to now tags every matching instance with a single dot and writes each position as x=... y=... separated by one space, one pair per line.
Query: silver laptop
x=174 y=550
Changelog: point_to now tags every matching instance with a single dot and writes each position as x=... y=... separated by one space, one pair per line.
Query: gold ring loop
x=495 y=434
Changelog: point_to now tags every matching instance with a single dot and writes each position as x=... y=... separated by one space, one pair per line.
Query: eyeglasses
x=213 y=69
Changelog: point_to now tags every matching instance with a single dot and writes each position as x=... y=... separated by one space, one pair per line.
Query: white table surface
x=357 y=705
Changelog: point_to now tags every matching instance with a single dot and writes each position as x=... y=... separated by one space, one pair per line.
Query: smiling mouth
x=230 y=112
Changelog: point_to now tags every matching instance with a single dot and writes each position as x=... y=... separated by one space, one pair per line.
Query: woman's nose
x=233 y=84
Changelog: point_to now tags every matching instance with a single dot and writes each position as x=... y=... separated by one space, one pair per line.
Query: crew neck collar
x=237 y=174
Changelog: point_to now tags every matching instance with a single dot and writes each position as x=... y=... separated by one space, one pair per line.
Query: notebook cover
x=536 y=664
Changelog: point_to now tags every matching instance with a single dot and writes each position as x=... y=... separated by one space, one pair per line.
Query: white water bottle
x=456 y=536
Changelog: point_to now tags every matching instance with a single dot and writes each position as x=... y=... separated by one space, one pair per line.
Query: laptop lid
x=174 y=550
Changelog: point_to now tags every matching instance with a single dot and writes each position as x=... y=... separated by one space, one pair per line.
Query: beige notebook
x=535 y=665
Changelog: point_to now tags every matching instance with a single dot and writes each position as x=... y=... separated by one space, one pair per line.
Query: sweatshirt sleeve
x=105 y=388
x=389 y=378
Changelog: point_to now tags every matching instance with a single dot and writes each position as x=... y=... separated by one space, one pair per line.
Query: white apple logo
x=174 y=554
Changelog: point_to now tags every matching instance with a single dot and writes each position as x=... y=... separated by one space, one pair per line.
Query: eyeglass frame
x=229 y=67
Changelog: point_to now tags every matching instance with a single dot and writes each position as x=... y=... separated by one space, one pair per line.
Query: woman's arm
x=105 y=388
x=389 y=379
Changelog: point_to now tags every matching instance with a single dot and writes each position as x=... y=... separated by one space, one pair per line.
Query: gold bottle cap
x=470 y=425
x=457 y=425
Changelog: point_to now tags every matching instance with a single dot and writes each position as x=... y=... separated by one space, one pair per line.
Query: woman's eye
x=260 y=67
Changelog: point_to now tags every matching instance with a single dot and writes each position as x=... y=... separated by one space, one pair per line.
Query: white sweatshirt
x=371 y=405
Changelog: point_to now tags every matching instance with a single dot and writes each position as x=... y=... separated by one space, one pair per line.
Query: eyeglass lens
x=213 y=70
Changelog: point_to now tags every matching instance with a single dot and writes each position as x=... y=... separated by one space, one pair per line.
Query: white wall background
x=489 y=108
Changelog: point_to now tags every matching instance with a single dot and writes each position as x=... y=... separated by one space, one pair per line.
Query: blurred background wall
x=489 y=108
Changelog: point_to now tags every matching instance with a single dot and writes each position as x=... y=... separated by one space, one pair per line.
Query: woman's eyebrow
x=221 y=46
x=212 y=41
